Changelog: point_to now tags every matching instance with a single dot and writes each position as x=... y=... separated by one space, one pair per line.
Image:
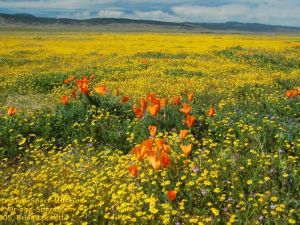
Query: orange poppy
x=151 y=97
x=125 y=99
x=211 y=112
x=83 y=86
x=153 y=109
x=11 y=111
x=69 y=79
x=143 y=103
x=101 y=90
x=171 y=195
x=73 y=93
x=85 y=78
x=290 y=93
x=138 y=111
x=137 y=150
x=152 y=130
x=176 y=100
x=159 y=143
x=190 y=120
x=186 y=149
x=183 y=134
x=148 y=143
x=165 y=160
x=154 y=160
x=167 y=148
x=186 y=109
x=64 y=100
x=145 y=61
x=146 y=146
x=190 y=96
x=298 y=90
x=163 y=102
x=133 y=170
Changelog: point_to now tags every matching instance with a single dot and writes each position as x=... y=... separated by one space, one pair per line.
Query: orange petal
x=186 y=149
x=183 y=134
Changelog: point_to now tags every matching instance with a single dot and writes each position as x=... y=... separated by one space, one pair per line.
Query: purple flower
x=261 y=218
x=177 y=223
x=272 y=207
x=203 y=192
x=195 y=169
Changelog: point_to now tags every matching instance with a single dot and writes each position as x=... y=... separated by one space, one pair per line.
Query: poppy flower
x=148 y=143
x=166 y=148
x=154 y=160
x=186 y=149
x=190 y=120
x=11 y=111
x=176 y=100
x=137 y=150
x=163 y=102
x=153 y=109
x=171 y=195
x=151 y=97
x=138 y=111
x=125 y=99
x=69 y=79
x=152 y=130
x=85 y=78
x=83 y=86
x=73 y=93
x=211 y=112
x=133 y=170
x=297 y=90
x=186 y=109
x=145 y=61
x=147 y=147
x=290 y=93
x=183 y=134
x=190 y=96
x=159 y=143
x=165 y=160
x=64 y=100
x=143 y=103
x=101 y=90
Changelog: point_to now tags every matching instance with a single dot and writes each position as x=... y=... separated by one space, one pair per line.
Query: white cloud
x=155 y=15
x=110 y=13
x=52 y=4
x=82 y=14
x=209 y=14
x=269 y=12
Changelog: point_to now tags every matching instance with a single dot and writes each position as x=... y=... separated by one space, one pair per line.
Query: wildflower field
x=100 y=128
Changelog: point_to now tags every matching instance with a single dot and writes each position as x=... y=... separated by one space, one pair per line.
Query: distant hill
x=22 y=20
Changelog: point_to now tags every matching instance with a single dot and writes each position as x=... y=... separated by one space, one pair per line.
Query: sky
x=277 y=12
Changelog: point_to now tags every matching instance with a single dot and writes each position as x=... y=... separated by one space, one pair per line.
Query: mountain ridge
x=28 y=20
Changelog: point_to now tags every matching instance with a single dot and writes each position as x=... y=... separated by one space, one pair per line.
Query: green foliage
x=40 y=83
x=266 y=60
x=161 y=55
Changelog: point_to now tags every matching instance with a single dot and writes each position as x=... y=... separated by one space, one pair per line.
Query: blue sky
x=281 y=12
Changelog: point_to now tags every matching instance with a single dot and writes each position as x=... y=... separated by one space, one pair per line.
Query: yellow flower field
x=100 y=128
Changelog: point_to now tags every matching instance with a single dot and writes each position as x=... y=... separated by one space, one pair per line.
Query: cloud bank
x=281 y=12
